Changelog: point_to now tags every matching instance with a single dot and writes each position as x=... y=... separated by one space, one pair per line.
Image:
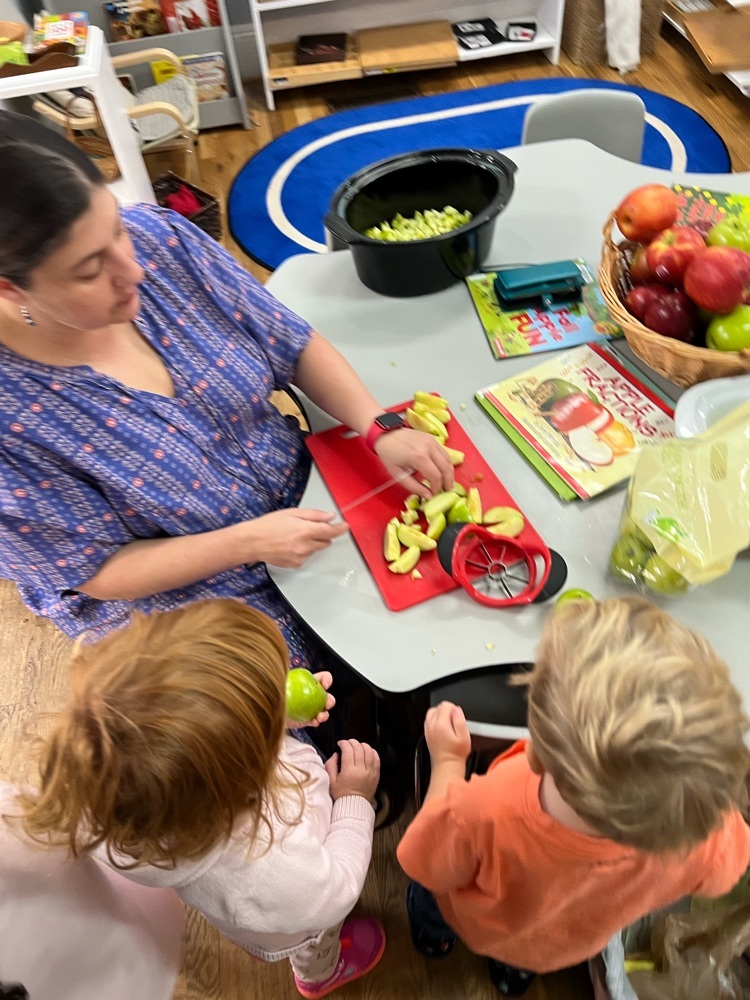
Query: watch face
x=390 y=421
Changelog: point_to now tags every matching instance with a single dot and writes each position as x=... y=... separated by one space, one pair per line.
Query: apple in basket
x=718 y=279
x=670 y=253
x=672 y=315
x=646 y=211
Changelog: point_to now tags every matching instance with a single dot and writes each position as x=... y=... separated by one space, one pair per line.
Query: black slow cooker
x=477 y=180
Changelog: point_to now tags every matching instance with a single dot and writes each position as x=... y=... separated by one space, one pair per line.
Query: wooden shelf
x=283 y=71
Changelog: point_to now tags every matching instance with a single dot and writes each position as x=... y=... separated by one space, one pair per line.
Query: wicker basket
x=682 y=363
x=583 y=35
x=207 y=218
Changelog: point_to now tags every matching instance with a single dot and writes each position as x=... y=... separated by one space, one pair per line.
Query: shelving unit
x=740 y=79
x=278 y=23
x=213 y=114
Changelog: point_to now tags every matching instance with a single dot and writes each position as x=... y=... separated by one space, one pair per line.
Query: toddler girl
x=171 y=764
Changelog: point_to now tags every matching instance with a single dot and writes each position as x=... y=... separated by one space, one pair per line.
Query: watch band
x=382 y=425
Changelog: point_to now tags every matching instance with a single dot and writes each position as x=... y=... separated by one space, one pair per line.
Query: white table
x=94 y=70
x=564 y=192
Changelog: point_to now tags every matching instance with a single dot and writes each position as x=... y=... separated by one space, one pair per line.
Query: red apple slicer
x=496 y=571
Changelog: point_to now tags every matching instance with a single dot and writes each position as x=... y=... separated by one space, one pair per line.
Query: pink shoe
x=362 y=946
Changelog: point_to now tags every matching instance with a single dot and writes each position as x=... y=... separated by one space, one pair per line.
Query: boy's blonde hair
x=636 y=720
x=172 y=729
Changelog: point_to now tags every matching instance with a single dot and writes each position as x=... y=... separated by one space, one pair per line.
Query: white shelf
x=741 y=79
x=542 y=40
x=280 y=22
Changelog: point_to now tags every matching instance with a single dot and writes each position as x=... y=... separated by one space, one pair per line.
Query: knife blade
x=378 y=489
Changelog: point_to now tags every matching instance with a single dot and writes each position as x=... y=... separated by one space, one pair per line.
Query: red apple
x=573 y=411
x=718 y=278
x=646 y=211
x=640 y=298
x=670 y=253
x=672 y=315
x=639 y=271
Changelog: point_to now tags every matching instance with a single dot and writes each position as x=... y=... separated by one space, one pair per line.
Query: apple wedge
x=505 y=521
x=456 y=457
x=439 y=504
x=406 y=561
x=427 y=399
x=409 y=536
x=391 y=544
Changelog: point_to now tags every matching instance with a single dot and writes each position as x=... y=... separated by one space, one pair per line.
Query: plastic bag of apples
x=687 y=283
x=687 y=512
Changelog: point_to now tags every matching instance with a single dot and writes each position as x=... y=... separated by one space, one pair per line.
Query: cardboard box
x=402 y=47
x=720 y=35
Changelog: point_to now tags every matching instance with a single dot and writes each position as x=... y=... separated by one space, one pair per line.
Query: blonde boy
x=627 y=797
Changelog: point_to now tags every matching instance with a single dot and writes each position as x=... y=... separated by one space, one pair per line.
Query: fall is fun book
x=580 y=419
x=529 y=330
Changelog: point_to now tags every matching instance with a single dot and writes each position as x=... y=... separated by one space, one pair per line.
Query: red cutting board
x=350 y=470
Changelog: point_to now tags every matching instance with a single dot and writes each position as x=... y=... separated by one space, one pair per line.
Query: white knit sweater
x=271 y=902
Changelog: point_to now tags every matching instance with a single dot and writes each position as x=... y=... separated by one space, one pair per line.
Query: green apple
x=574 y=595
x=474 y=503
x=391 y=545
x=439 y=504
x=629 y=555
x=305 y=696
x=732 y=231
x=730 y=332
x=406 y=561
x=436 y=526
x=659 y=576
x=409 y=536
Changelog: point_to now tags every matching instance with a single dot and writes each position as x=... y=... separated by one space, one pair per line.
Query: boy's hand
x=446 y=733
x=358 y=773
x=326 y=679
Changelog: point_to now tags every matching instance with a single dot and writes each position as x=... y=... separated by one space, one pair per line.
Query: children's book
x=209 y=74
x=702 y=208
x=580 y=418
x=511 y=332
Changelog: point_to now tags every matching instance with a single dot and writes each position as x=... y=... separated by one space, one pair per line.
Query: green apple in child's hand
x=659 y=576
x=732 y=231
x=305 y=696
x=574 y=595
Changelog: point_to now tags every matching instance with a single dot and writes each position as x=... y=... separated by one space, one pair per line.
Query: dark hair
x=45 y=185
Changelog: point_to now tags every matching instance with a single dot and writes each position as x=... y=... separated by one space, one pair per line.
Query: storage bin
x=583 y=34
x=208 y=218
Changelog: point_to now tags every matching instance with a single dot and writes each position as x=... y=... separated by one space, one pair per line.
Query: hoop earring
x=27 y=317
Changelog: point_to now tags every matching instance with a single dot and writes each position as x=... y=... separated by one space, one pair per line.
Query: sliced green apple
x=505 y=521
x=406 y=561
x=408 y=536
x=391 y=544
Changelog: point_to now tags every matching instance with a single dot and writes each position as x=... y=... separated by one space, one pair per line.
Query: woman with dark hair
x=143 y=464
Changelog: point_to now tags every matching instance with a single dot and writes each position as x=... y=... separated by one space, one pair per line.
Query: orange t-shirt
x=516 y=885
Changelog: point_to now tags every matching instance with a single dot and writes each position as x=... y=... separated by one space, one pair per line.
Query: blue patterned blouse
x=88 y=464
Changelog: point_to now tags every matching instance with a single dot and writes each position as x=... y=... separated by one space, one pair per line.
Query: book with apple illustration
x=580 y=419
x=532 y=329
x=704 y=209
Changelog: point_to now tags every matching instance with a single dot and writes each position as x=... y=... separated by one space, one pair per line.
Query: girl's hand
x=407 y=451
x=446 y=733
x=287 y=538
x=357 y=774
x=326 y=679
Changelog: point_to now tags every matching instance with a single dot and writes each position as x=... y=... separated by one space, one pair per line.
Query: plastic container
x=480 y=181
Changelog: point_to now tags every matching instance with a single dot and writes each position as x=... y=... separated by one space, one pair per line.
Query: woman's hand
x=358 y=773
x=407 y=451
x=446 y=733
x=326 y=679
x=287 y=538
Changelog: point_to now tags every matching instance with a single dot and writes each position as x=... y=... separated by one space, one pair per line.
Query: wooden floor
x=32 y=652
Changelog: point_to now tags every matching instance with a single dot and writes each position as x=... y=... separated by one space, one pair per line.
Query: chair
x=613 y=120
x=165 y=115
x=495 y=714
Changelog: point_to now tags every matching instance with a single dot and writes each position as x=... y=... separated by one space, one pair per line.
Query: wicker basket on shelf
x=684 y=364
x=208 y=218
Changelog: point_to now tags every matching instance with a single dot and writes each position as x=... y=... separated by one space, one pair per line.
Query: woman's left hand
x=408 y=454
x=326 y=679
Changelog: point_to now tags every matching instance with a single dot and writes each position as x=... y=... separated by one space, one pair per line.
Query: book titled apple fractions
x=580 y=419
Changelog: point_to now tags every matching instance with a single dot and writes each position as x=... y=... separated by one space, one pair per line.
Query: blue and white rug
x=279 y=198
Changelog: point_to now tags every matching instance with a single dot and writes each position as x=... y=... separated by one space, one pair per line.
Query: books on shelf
x=190 y=15
x=129 y=19
x=209 y=73
x=511 y=332
x=480 y=33
x=324 y=48
x=580 y=419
